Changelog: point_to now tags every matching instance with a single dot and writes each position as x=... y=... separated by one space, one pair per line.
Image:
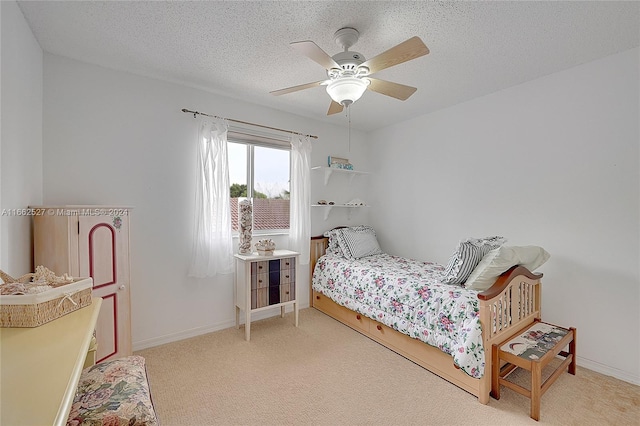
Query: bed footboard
x=506 y=308
x=512 y=302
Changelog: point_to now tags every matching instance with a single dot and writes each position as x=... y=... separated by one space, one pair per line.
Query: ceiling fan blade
x=395 y=90
x=296 y=88
x=334 y=108
x=313 y=51
x=405 y=51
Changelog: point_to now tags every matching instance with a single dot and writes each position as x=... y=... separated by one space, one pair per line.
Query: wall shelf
x=328 y=208
x=328 y=171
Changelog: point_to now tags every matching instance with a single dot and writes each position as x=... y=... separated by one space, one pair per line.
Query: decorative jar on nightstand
x=264 y=282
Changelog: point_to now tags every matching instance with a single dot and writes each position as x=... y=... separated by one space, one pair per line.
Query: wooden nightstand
x=532 y=350
x=265 y=282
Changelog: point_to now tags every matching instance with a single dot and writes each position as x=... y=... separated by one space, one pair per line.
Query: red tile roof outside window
x=268 y=213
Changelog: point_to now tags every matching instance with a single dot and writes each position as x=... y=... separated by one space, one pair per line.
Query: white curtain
x=212 y=248
x=300 y=198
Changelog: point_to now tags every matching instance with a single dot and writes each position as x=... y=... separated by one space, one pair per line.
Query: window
x=260 y=173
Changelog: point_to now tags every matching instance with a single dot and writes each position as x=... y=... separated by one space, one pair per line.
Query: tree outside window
x=261 y=174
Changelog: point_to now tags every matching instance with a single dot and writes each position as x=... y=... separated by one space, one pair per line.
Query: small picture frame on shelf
x=339 y=163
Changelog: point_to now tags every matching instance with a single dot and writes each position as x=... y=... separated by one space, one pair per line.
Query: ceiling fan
x=349 y=73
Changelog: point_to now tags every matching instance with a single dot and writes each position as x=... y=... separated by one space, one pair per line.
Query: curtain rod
x=246 y=122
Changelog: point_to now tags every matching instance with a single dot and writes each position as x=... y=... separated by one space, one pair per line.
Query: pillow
x=467 y=256
x=354 y=242
x=114 y=392
x=333 y=247
x=500 y=260
x=359 y=243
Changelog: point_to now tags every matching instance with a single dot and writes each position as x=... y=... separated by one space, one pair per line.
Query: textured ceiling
x=241 y=49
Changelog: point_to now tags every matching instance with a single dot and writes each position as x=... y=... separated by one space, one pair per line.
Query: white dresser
x=265 y=282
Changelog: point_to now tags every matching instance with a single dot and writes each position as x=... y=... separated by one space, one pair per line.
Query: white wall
x=553 y=162
x=121 y=139
x=21 y=137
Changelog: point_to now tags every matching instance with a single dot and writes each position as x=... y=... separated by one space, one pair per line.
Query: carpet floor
x=324 y=373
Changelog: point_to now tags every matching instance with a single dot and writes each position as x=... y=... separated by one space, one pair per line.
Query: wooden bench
x=532 y=350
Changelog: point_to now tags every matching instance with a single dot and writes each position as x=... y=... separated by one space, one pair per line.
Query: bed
x=404 y=305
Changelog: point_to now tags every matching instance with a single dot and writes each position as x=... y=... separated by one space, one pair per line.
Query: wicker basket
x=33 y=310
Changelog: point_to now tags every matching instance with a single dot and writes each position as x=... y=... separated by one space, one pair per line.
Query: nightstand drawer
x=287 y=292
x=286 y=277
x=288 y=264
x=259 y=298
x=259 y=281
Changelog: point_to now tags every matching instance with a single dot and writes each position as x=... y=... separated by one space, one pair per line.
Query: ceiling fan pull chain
x=349 y=116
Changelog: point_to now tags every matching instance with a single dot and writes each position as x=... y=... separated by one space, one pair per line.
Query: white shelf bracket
x=327 y=210
x=327 y=175
x=349 y=213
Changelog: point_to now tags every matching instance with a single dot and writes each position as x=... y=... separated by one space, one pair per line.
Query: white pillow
x=500 y=260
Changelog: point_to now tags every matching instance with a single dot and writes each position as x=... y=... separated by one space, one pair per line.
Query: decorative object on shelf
x=356 y=202
x=339 y=163
x=265 y=247
x=245 y=213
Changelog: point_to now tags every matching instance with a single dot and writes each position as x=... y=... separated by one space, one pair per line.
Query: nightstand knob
x=318 y=297
x=379 y=327
x=358 y=317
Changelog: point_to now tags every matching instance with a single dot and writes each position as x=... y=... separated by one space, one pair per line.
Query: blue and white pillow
x=467 y=256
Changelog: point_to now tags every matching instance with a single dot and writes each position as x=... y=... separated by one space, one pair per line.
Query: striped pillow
x=354 y=242
x=357 y=242
x=467 y=256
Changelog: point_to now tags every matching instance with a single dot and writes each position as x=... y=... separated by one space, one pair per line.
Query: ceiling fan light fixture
x=347 y=90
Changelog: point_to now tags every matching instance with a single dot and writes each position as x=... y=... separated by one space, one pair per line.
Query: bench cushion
x=114 y=393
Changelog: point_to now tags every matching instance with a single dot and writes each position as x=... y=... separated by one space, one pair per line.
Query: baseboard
x=608 y=371
x=181 y=335
x=186 y=334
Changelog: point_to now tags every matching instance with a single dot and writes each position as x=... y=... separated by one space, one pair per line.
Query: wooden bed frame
x=506 y=308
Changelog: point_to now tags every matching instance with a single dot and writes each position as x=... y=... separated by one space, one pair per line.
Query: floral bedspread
x=407 y=295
